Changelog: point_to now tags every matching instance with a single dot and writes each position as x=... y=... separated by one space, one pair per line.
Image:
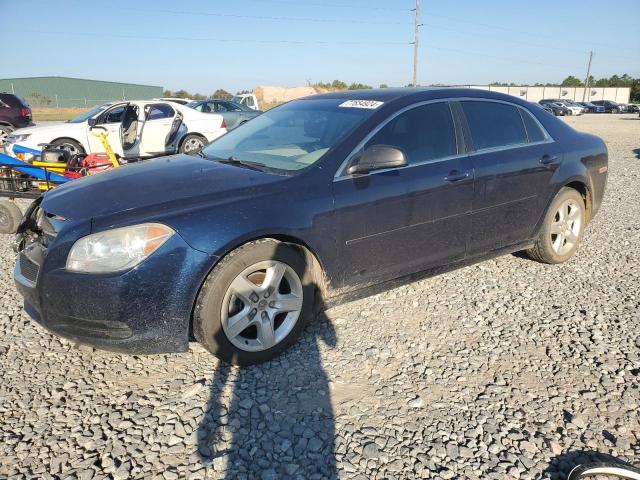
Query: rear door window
x=159 y=111
x=494 y=124
x=422 y=133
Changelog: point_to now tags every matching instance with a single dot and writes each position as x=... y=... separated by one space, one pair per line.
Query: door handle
x=456 y=176
x=548 y=159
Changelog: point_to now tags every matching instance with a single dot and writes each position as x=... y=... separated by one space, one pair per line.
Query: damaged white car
x=136 y=129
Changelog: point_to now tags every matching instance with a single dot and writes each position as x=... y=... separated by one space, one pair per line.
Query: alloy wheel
x=3 y=137
x=193 y=145
x=69 y=148
x=262 y=305
x=566 y=227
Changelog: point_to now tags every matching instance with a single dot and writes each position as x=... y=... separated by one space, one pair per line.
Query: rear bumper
x=144 y=310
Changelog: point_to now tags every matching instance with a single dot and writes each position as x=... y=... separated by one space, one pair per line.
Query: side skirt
x=338 y=298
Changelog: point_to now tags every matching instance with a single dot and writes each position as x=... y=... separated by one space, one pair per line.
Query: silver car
x=233 y=113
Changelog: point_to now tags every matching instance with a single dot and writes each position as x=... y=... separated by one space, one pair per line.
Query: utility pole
x=586 y=80
x=415 y=43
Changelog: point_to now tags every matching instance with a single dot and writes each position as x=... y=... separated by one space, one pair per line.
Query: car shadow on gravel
x=560 y=466
x=274 y=420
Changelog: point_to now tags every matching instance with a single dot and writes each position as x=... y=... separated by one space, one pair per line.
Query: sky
x=202 y=45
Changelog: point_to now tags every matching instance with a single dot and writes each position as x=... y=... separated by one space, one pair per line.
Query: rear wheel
x=5 y=130
x=192 y=144
x=10 y=217
x=562 y=230
x=254 y=303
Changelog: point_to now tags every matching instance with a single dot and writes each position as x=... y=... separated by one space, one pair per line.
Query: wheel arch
x=183 y=138
x=317 y=269
x=581 y=187
x=84 y=147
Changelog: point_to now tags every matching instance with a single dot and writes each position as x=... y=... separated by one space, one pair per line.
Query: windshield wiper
x=244 y=163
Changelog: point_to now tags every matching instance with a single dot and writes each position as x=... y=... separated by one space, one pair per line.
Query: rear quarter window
x=534 y=132
x=494 y=124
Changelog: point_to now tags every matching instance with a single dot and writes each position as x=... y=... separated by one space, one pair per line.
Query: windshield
x=87 y=115
x=290 y=137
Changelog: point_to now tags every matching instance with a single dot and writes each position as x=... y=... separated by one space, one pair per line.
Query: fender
x=81 y=143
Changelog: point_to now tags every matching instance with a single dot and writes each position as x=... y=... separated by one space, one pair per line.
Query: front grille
x=28 y=268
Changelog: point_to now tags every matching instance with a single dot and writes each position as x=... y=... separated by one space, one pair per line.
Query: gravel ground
x=505 y=369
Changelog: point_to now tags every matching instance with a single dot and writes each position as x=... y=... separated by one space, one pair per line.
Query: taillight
x=25 y=112
x=223 y=124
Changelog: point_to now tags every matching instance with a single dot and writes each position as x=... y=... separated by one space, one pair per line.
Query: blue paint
x=28 y=169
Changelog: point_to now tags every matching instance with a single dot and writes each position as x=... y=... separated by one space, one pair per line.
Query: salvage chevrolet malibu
x=318 y=201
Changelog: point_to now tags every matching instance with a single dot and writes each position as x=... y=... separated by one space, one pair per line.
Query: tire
x=192 y=144
x=615 y=110
x=68 y=144
x=562 y=230
x=10 y=217
x=5 y=130
x=219 y=301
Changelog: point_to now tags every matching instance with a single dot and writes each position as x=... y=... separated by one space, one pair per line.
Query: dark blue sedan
x=318 y=201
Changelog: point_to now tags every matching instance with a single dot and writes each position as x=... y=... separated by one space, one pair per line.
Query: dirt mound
x=269 y=94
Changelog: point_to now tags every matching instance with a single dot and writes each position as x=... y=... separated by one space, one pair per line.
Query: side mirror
x=92 y=122
x=377 y=157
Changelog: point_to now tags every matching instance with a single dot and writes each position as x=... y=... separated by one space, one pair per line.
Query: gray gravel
x=505 y=369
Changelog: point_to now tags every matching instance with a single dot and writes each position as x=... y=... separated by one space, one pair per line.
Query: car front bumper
x=143 y=310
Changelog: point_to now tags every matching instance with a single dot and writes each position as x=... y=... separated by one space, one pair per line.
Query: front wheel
x=562 y=230
x=10 y=217
x=254 y=303
x=71 y=146
x=615 y=110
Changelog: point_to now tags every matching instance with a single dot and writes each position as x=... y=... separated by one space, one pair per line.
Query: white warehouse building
x=578 y=94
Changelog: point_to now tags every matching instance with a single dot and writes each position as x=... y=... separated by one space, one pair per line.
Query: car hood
x=155 y=187
x=49 y=129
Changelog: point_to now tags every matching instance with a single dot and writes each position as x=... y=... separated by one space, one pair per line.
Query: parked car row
x=568 y=107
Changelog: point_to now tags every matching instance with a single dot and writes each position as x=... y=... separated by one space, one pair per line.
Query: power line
x=270 y=17
x=502 y=59
x=283 y=41
x=337 y=5
x=207 y=39
x=523 y=32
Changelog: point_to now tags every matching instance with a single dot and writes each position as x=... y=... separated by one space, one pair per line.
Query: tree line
x=612 y=81
x=570 y=81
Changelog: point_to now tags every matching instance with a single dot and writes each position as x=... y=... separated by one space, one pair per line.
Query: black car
x=14 y=113
x=609 y=106
x=556 y=108
x=633 y=108
x=591 y=108
x=233 y=113
x=313 y=203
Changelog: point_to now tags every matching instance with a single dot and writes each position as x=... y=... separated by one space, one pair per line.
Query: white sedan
x=136 y=129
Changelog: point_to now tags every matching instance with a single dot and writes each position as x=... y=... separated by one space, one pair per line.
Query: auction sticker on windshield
x=371 y=104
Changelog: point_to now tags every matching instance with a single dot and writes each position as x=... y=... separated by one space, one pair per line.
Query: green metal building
x=75 y=92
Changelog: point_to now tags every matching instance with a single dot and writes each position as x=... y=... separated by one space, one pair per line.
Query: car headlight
x=15 y=138
x=118 y=249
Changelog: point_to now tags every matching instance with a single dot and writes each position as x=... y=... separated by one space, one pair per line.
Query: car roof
x=388 y=95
